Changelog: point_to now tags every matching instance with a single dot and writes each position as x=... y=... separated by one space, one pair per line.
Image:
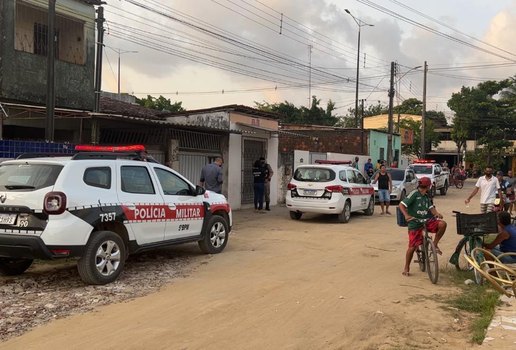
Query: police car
x=101 y=205
x=329 y=187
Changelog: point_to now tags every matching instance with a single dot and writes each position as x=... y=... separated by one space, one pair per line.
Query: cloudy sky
x=209 y=53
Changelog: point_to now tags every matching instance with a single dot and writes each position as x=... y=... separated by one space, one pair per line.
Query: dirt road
x=282 y=284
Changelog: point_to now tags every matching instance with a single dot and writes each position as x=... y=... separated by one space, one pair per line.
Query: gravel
x=51 y=290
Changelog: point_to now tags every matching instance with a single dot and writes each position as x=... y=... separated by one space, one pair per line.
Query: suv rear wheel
x=103 y=259
x=13 y=267
x=216 y=236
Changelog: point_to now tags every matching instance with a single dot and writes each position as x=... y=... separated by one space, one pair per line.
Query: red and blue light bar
x=94 y=148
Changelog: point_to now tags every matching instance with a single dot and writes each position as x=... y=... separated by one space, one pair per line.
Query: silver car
x=403 y=182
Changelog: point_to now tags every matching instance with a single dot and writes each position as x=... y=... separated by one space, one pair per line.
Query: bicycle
x=427 y=254
x=474 y=228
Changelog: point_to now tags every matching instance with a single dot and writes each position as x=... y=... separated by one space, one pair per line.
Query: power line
x=429 y=29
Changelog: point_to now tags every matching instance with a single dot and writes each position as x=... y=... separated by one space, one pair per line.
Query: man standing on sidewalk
x=267 y=184
x=488 y=186
x=211 y=176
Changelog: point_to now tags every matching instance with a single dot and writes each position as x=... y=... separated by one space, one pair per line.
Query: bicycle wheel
x=421 y=258
x=459 y=184
x=479 y=257
x=462 y=264
x=432 y=262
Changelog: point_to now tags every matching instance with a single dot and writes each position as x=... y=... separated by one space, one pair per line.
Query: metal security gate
x=253 y=150
x=317 y=156
x=190 y=166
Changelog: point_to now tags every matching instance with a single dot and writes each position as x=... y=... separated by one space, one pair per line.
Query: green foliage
x=161 y=103
x=485 y=113
x=431 y=137
x=316 y=115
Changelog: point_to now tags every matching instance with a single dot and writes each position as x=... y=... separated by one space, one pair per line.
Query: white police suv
x=101 y=205
x=329 y=187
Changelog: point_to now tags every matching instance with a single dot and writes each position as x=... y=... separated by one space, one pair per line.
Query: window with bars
x=41 y=40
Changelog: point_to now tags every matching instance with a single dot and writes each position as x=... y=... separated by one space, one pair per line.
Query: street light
x=121 y=53
x=360 y=24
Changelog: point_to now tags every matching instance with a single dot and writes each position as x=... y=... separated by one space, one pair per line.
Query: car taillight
x=54 y=203
x=334 y=188
x=291 y=186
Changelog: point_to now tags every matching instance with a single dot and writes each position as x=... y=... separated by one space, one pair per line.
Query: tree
x=431 y=137
x=485 y=113
x=315 y=115
x=161 y=103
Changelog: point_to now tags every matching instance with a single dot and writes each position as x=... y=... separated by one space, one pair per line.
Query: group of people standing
x=212 y=179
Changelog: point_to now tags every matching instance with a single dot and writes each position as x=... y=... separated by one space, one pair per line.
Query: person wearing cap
x=488 y=186
x=416 y=206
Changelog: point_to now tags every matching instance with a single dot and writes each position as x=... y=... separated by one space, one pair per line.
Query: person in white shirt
x=488 y=186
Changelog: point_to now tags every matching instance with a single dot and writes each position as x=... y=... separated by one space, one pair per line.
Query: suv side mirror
x=199 y=190
x=407 y=178
x=437 y=172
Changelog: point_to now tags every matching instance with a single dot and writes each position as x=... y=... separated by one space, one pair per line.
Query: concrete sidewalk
x=501 y=333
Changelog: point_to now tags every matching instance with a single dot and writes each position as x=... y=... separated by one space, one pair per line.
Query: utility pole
x=390 y=124
x=423 y=128
x=362 y=125
x=309 y=76
x=95 y=129
x=100 y=49
x=360 y=24
x=51 y=79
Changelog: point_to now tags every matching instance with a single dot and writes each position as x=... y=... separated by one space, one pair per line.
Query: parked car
x=101 y=207
x=329 y=189
x=403 y=182
x=434 y=171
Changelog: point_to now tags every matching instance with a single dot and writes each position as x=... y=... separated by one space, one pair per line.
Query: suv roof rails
x=42 y=155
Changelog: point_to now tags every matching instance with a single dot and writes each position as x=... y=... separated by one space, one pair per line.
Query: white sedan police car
x=329 y=187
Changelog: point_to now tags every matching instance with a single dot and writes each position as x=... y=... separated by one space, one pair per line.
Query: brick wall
x=337 y=141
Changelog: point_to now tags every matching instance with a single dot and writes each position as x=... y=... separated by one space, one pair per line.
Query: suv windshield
x=28 y=177
x=314 y=175
x=422 y=169
x=396 y=174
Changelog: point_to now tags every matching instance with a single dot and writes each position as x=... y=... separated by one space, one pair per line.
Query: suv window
x=172 y=184
x=28 y=176
x=342 y=175
x=314 y=174
x=98 y=177
x=422 y=169
x=352 y=178
x=136 y=179
x=360 y=178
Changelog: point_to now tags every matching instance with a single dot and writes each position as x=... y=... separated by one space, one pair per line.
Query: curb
x=501 y=333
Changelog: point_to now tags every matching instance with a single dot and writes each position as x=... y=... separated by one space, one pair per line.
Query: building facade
x=24 y=48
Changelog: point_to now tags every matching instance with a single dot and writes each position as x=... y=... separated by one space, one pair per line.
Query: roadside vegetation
x=478 y=300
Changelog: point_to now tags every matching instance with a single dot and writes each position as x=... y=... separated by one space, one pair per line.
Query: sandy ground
x=283 y=284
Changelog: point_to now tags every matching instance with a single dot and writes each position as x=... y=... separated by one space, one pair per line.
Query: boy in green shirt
x=416 y=206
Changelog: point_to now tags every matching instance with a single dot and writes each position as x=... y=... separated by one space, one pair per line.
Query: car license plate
x=309 y=192
x=8 y=219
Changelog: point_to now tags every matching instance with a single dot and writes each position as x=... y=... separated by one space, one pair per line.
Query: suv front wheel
x=103 y=259
x=13 y=267
x=216 y=236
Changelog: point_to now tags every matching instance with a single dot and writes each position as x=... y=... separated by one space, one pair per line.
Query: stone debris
x=49 y=291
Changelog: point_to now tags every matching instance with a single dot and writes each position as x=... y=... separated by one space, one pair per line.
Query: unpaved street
x=281 y=284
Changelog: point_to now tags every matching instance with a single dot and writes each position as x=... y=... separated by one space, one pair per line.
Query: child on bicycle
x=416 y=206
